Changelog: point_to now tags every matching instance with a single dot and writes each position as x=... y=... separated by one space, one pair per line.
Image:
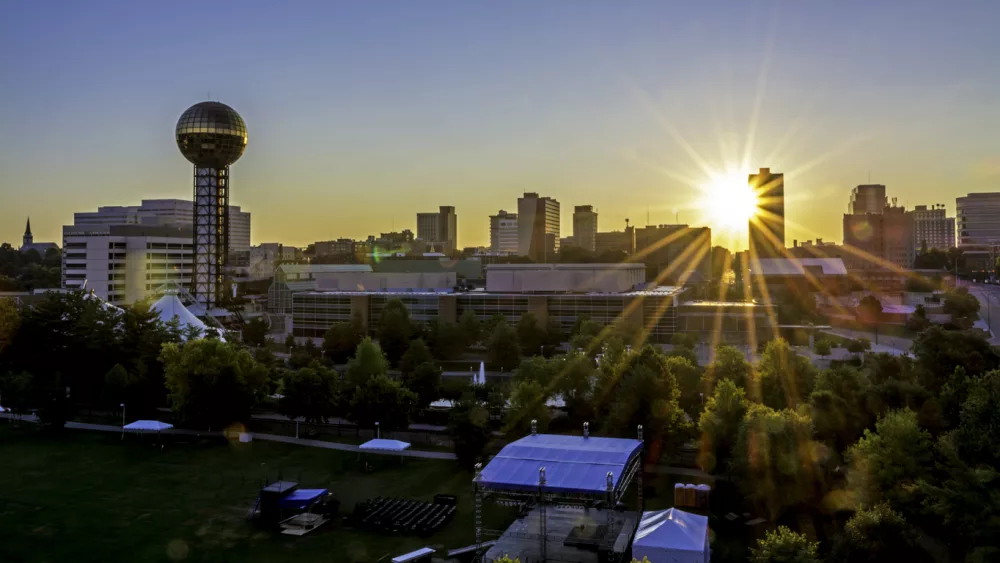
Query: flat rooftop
x=660 y=291
x=557 y=267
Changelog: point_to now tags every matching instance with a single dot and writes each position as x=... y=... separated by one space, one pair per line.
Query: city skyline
x=625 y=110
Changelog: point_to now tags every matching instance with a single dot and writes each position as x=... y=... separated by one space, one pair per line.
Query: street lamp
x=123 y=421
x=378 y=433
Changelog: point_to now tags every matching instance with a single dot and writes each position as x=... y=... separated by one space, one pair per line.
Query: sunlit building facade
x=767 y=227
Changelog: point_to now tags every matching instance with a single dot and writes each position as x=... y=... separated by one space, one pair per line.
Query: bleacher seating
x=401 y=516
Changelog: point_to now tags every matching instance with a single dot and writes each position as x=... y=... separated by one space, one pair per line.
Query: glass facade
x=314 y=313
x=487 y=305
x=211 y=134
x=604 y=309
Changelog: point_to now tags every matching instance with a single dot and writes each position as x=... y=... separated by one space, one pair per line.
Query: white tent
x=384 y=445
x=148 y=426
x=672 y=536
x=169 y=307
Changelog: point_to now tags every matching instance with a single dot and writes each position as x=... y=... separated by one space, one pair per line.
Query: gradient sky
x=360 y=114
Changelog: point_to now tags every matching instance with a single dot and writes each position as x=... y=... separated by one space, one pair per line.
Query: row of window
x=171 y=276
x=168 y=256
x=168 y=246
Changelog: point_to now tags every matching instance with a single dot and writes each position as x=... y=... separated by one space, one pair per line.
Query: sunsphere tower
x=212 y=136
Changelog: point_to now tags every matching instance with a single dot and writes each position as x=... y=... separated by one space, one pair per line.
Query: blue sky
x=360 y=114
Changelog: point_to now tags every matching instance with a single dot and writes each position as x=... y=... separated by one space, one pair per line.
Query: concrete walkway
x=267 y=437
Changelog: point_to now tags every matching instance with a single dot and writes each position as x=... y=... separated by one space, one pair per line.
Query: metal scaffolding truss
x=211 y=234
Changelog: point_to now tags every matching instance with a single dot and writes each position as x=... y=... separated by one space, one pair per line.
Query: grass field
x=89 y=497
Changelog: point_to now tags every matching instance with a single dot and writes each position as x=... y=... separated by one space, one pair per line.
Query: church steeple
x=28 y=239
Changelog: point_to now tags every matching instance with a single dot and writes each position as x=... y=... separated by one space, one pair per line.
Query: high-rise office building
x=978 y=225
x=677 y=252
x=123 y=264
x=503 y=232
x=767 y=227
x=212 y=136
x=882 y=241
x=932 y=227
x=537 y=227
x=439 y=227
x=615 y=240
x=153 y=212
x=585 y=227
x=867 y=198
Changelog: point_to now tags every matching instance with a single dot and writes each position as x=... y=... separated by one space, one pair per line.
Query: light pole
x=123 y=421
x=378 y=432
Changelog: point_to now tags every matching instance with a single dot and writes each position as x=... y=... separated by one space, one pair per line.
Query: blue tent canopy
x=300 y=499
x=573 y=464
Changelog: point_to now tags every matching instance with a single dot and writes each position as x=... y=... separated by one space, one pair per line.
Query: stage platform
x=573 y=534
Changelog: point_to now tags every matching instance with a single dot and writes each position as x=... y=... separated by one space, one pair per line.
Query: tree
x=574 y=379
x=977 y=435
x=554 y=334
x=774 y=460
x=425 y=381
x=17 y=392
x=468 y=426
x=342 y=339
x=394 y=330
x=537 y=369
x=822 y=347
x=447 y=340
x=311 y=393
x=193 y=332
x=530 y=334
x=304 y=355
x=684 y=339
x=870 y=312
x=940 y=351
x=878 y=534
x=885 y=465
x=289 y=342
x=10 y=322
x=211 y=382
x=855 y=347
x=962 y=306
x=368 y=362
x=784 y=546
x=728 y=363
x=255 y=332
x=648 y=397
x=719 y=424
x=527 y=403
x=416 y=353
x=688 y=377
x=503 y=351
x=470 y=325
x=118 y=385
x=933 y=259
x=382 y=400
x=838 y=406
x=918 y=321
x=785 y=378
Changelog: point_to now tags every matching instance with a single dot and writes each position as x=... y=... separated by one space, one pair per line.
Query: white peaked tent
x=672 y=536
x=169 y=306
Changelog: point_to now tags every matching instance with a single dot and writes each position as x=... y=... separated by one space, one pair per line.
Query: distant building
x=867 y=198
x=978 y=218
x=339 y=247
x=166 y=212
x=537 y=227
x=879 y=241
x=567 y=241
x=28 y=242
x=439 y=228
x=615 y=240
x=677 y=252
x=817 y=249
x=563 y=278
x=767 y=227
x=585 y=227
x=503 y=232
x=123 y=264
x=933 y=228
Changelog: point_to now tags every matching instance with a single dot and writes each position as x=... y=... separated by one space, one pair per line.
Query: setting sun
x=728 y=200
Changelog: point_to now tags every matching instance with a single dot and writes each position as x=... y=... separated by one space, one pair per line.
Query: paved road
x=268 y=437
x=989 y=300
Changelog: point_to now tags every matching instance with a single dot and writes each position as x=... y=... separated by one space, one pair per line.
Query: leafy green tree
x=918 y=321
x=855 y=347
x=211 y=382
x=574 y=378
x=977 y=436
x=342 y=339
x=838 y=406
x=468 y=426
x=304 y=355
x=688 y=376
x=17 y=390
x=425 y=382
x=416 y=353
x=870 y=312
x=118 y=384
x=719 y=425
x=886 y=465
x=940 y=351
x=784 y=546
x=587 y=336
x=503 y=350
x=193 y=332
x=380 y=399
x=530 y=334
x=728 y=363
x=368 y=362
x=311 y=393
x=527 y=403
x=648 y=397
x=447 y=340
x=471 y=327
x=255 y=332
x=394 y=330
x=822 y=347
x=289 y=342
x=537 y=369
x=10 y=321
x=962 y=306
x=554 y=334
x=774 y=459
x=878 y=534
x=785 y=378
x=684 y=340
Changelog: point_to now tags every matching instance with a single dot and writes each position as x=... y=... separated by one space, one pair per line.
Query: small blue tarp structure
x=418 y=555
x=573 y=464
x=300 y=499
x=672 y=535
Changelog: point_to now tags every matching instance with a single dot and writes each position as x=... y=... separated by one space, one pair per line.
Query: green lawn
x=90 y=497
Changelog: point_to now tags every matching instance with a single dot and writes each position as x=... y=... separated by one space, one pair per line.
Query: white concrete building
x=126 y=263
x=564 y=278
x=585 y=227
x=503 y=232
x=932 y=227
x=166 y=212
